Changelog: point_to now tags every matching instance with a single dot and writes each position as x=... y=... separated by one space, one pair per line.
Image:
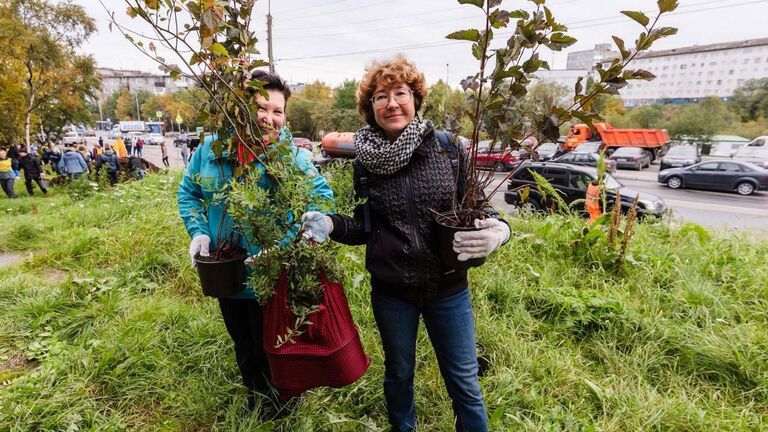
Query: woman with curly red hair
x=403 y=171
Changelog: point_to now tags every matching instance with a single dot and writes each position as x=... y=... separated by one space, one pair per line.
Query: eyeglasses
x=402 y=97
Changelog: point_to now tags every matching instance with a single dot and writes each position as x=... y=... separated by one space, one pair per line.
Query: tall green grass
x=675 y=340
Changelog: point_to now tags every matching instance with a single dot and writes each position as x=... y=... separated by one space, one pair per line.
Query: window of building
x=709 y=81
x=683 y=66
x=719 y=82
x=745 y=61
x=712 y=64
x=698 y=82
x=758 y=59
x=730 y=72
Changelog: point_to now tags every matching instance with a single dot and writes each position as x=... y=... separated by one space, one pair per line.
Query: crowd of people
x=45 y=161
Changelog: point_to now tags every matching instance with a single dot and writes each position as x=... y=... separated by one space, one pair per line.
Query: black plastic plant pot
x=222 y=279
x=445 y=232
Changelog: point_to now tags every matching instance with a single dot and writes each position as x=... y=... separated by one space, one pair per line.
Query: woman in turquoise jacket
x=202 y=216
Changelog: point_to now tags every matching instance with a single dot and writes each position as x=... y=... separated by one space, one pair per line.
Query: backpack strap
x=459 y=170
x=363 y=191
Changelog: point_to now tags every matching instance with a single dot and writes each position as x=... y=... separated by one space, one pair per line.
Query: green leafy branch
x=493 y=94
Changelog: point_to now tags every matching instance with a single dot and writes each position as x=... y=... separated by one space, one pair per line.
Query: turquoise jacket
x=203 y=179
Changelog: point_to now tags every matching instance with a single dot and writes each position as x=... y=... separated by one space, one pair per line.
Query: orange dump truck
x=652 y=140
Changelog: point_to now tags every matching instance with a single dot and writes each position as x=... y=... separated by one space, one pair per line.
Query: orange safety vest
x=593 y=202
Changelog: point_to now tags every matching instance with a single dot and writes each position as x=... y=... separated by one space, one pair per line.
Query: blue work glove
x=316 y=226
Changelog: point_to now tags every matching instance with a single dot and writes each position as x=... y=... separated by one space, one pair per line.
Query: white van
x=115 y=132
x=761 y=141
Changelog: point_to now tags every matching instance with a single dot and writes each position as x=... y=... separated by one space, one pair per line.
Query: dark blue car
x=719 y=175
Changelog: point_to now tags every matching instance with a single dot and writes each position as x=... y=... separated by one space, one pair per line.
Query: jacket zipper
x=414 y=227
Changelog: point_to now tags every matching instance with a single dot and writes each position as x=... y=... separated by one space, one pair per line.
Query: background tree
x=344 y=116
x=74 y=97
x=345 y=94
x=750 y=101
x=42 y=37
x=11 y=101
x=317 y=91
x=699 y=121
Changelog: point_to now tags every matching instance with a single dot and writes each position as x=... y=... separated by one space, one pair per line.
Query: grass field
x=103 y=328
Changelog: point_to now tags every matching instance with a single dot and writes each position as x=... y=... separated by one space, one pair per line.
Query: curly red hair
x=389 y=73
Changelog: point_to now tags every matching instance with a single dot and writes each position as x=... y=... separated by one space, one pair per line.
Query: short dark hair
x=272 y=82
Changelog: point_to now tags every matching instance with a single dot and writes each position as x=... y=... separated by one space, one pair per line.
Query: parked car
x=495 y=158
x=585 y=159
x=338 y=144
x=719 y=175
x=304 y=143
x=547 y=150
x=755 y=155
x=680 y=156
x=89 y=133
x=72 y=138
x=631 y=157
x=185 y=139
x=571 y=182
x=155 y=138
x=588 y=147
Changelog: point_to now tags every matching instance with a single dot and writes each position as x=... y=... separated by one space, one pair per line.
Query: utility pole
x=138 y=111
x=448 y=74
x=269 y=37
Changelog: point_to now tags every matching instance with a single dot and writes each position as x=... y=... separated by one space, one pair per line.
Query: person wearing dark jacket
x=33 y=170
x=407 y=176
x=7 y=175
x=136 y=165
x=108 y=161
x=54 y=159
x=13 y=153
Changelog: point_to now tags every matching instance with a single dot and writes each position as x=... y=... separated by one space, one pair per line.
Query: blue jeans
x=451 y=328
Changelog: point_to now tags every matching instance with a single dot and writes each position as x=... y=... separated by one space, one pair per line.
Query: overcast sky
x=334 y=40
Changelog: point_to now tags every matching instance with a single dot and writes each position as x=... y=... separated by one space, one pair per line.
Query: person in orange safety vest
x=593 y=201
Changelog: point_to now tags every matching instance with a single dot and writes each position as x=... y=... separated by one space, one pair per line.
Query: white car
x=72 y=138
x=155 y=139
x=756 y=155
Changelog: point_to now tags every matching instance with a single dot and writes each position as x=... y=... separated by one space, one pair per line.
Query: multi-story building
x=692 y=73
x=113 y=80
x=586 y=60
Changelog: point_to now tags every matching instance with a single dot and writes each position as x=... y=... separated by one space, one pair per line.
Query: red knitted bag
x=328 y=352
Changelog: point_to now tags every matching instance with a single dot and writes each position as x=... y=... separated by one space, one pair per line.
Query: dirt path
x=9 y=259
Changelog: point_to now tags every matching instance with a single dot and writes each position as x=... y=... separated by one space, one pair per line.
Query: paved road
x=719 y=210
x=151 y=152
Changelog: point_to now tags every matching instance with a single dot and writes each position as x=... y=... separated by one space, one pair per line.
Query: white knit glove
x=316 y=226
x=199 y=245
x=478 y=244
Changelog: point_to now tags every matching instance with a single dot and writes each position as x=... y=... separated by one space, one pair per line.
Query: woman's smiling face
x=393 y=116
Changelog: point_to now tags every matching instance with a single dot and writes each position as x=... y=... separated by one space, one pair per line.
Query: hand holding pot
x=199 y=245
x=491 y=234
x=316 y=226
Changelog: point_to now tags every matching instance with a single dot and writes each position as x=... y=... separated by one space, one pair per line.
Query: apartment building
x=691 y=73
x=113 y=80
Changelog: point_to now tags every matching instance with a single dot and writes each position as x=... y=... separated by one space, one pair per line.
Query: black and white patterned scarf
x=380 y=156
